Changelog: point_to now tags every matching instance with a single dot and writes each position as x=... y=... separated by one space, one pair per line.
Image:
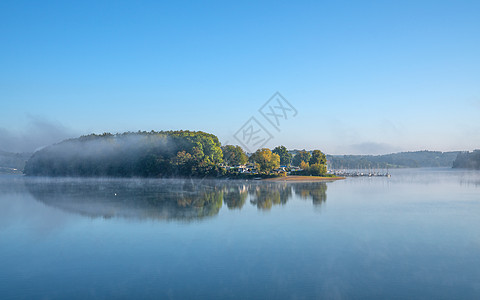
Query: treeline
x=417 y=159
x=310 y=163
x=140 y=154
x=12 y=161
x=468 y=160
x=266 y=161
x=166 y=154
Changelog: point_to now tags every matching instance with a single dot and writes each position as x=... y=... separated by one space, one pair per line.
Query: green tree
x=183 y=162
x=234 y=155
x=316 y=165
x=265 y=160
x=317 y=169
x=318 y=158
x=285 y=156
x=301 y=156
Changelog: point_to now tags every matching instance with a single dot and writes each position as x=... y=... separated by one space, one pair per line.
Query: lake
x=415 y=235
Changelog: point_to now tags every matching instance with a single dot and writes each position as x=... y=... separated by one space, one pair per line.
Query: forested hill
x=468 y=160
x=417 y=159
x=139 y=154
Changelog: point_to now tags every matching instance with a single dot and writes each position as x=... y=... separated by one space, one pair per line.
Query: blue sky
x=365 y=77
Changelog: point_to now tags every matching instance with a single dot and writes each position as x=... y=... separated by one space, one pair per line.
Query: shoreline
x=298 y=178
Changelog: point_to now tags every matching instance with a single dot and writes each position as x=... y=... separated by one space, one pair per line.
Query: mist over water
x=412 y=236
x=160 y=199
x=36 y=134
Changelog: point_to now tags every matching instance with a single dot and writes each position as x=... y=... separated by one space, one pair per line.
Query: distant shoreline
x=297 y=178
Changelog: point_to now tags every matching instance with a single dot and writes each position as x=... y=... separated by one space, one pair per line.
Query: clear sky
x=364 y=76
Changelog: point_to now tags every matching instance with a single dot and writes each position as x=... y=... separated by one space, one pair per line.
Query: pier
x=359 y=173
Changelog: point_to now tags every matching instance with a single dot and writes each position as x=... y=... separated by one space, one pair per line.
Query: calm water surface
x=413 y=236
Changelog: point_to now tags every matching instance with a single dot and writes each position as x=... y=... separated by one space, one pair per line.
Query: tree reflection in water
x=264 y=196
x=166 y=199
x=143 y=199
x=317 y=191
x=234 y=196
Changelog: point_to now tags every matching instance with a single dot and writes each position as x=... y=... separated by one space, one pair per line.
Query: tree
x=234 y=155
x=315 y=164
x=318 y=158
x=469 y=160
x=304 y=165
x=265 y=160
x=183 y=162
x=285 y=156
x=317 y=170
x=301 y=156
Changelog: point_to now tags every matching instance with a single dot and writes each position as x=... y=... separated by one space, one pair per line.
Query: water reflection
x=267 y=195
x=166 y=199
x=317 y=192
x=234 y=196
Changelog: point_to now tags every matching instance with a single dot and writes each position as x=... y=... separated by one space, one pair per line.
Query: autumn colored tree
x=304 y=165
x=265 y=160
